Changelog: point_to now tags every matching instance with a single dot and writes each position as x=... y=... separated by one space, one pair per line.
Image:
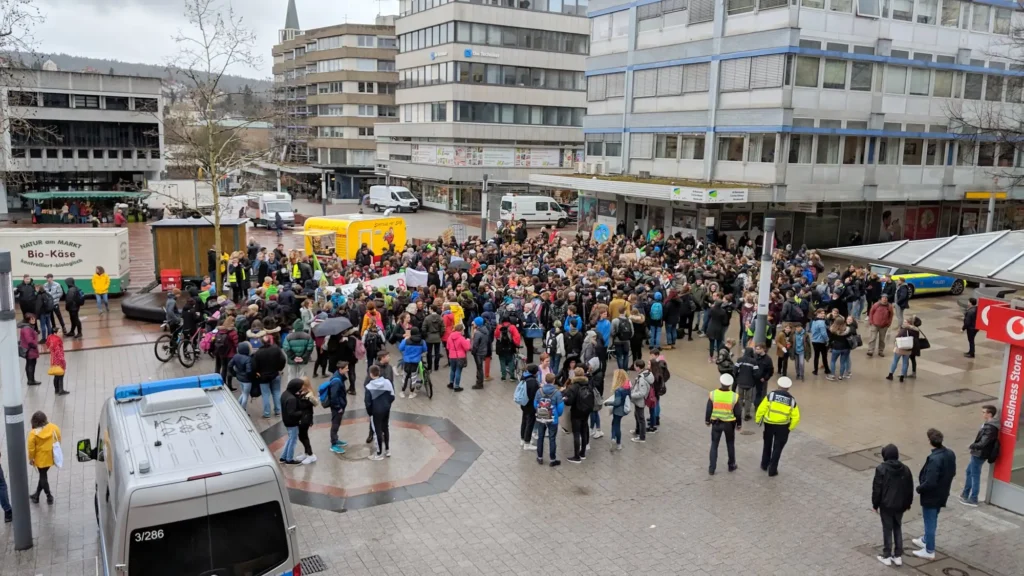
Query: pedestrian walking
x=638 y=395
x=44 y=452
x=723 y=416
x=819 y=341
x=579 y=396
x=73 y=302
x=779 y=414
x=531 y=382
x=801 y=350
x=880 y=317
x=101 y=287
x=337 y=401
x=902 y=301
x=933 y=485
x=548 y=407
x=985 y=448
x=58 y=364
x=291 y=415
x=240 y=368
x=28 y=347
x=478 y=348
x=56 y=294
x=903 y=348
x=378 y=398
x=458 y=349
x=970 y=326
x=619 y=405
x=892 y=494
x=298 y=348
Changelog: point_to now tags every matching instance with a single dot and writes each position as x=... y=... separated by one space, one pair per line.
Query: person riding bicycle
x=191 y=316
x=172 y=316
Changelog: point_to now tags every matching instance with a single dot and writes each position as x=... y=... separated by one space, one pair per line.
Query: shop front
x=82 y=207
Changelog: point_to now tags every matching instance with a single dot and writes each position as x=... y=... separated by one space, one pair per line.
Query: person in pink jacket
x=28 y=347
x=458 y=347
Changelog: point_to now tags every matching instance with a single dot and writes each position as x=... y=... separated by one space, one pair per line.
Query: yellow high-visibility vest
x=722 y=404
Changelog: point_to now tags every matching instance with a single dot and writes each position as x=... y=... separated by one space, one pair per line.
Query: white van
x=536 y=210
x=384 y=197
x=186 y=486
x=263 y=207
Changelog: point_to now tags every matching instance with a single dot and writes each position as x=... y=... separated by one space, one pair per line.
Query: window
x=741 y=6
x=943 y=84
x=730 y=148
x=800 y=148
x=620 y=24
x=927 y=11
x=854 y=149
x=860 y=76
x=913 y=151
x=393 y=42
x=1005 y=158
x=965 y=153
x=902 y=10
x=366 y=131
x=702 y=11
x=972 y=86
x=505 y=113
x=329 y=43
x=595 y=144
x=597 y=88
x=1014 y=85
x=365 y=87
x=367 y=110
x=807 y=71
x=82 y=101
x=889 y=148
x=735 y=75
x=670 y=81
x=895 y=79
x=211 y=542
x=835 y=74
x=438 y=112
x=695 y=77
x=142 y=104
x=18 y=153
x=841 y=5
x=666 y=146
x=1001 y=22
x=645 y=83
x=980 y=18
x=993 y=88
x=616 y=85
x=767 y=71
x=613 y=144
x=761 y=148
x=641 y=145
x=819 y=4
x=950 y=14
x=387 y=111
x=986 y=154
x=869 y=8
x=22 y=98
x=386 y=66
x=920 y=78
x=828 y=149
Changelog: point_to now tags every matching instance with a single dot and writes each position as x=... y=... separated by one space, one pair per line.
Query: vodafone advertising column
x=1005 y=324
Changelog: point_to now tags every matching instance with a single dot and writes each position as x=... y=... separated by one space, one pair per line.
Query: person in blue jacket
x=548 y=406
x=338 y=402
x=573 y=319
x=412 y=348
x=241 y=368
x=604 y=329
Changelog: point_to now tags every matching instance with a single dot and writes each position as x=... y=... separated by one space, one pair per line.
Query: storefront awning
x=81 y=195
x=990 y=257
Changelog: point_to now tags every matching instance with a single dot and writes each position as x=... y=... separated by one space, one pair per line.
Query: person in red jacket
x=458 y=348
x=58 y=366
x=28 y=347
x=506 y=341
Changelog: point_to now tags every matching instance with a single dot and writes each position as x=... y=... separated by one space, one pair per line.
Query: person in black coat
x=529 y=418
x=718 y=322
x=933 y=485
x=292 y=414
x=970 y=326
x=673 y=313
x=73 y=301
x=892 y=494
x=26 y=293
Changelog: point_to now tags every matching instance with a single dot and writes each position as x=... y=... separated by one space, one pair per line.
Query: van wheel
x=561 y=223
x=376 y=208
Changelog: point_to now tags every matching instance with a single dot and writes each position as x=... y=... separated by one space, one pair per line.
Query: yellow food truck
x=345 y=233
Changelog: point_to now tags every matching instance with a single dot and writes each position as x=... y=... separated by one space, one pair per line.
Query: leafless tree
x=18 y=18
x=217 y=42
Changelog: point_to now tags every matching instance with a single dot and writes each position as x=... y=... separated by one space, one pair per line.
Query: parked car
x=922 y=283
x=571 y=210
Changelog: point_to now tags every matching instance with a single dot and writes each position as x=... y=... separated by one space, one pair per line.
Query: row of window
x=361 y=88
x=479 y=73
x=362 y=41
x=489 y=35
x=571 y=7
x=76 y=134
x=518 y=114
x=69 y=154
x=63 y=100
x=362 y=110
x=425 y=112
x=339 y=131
x=361 y=65
x=345 y=157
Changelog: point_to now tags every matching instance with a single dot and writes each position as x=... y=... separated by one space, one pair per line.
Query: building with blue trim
x=832 y=115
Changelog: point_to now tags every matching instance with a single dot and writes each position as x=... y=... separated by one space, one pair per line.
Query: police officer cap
x=725 y=380
x=785 y=382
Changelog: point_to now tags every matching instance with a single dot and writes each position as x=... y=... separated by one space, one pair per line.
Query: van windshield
x=405 y=195
x=250 y=541
x=279 y=206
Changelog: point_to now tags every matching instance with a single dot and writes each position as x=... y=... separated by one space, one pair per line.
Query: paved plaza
x=460 y=497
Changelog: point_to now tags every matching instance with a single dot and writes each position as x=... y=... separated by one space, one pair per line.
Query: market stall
x=183 y=244
x=84 y=207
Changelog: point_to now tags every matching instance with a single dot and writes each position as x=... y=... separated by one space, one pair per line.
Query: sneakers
x=401 y=394
x=555 y=463
x=968 y=502
x=924 y=554
x=637 y=439
x=376 y=457
x=478 y=386
x=832 y=378
x=527 y=446
x=337 y=449
x=919 y=542
x=598 y=434
x=897 y=561
x=412 y=395
x=884 y=560
x=387 y=453
x=309 y=460
x=8 y=517
x=574 y=460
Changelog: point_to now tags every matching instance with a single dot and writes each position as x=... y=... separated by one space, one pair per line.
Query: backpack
x=221 y=344
x=656 y=311
x=624 y=331
x=255 y=343
x=325 y=394
x=505 y=343
x=551 y=344
x=585 y=399
x=519 y=397
x=651 y=399
x=360 y=350
x=207 y=342
x=546 y=409
x=993 y=452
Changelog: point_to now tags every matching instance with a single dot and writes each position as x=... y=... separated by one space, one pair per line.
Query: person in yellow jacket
x=723 y=415
x=458 y=314
x=40 y=452
x=100 y=287
x=779 y=414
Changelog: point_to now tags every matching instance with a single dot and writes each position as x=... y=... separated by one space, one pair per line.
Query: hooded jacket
x=241 y=364
x=298 y=344
x=412 y=348
x=556 y=401
x=458 y=345
x=589 y=346
x=73 y=299
x=892 y=489
x=379 y=394
x=570 y=395
x=267 y=364
x=986 y=439
x=433 y=328
x=291 y=404
x=748 y=370
x=336 y=392
x=480 y=342
x=641 y=387
x=532 y=385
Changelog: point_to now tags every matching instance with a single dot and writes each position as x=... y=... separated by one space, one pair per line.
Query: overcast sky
x=142 y=30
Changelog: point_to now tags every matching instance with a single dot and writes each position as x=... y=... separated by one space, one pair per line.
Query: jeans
x=895 y=359
x=892 y=533
x=744 y=338
x=931 y=522
x=617 y=429
x=271 y=394
x=704 y=324
x=243 y=398
x=552 y=430
x=554 y=362
x=655 y=419
x=103 y=301
x=479 y=360
x=455 y=371
x=972 y=485
x=622 y=355
x=45 y=328
x=798 y=361
x=671 y=333
x=433 y=355
x=843 y=356
x=5 y=501
x=654 y=333
x=713 y=346
x=527 y=423
x=289 y=446
x=580 y=437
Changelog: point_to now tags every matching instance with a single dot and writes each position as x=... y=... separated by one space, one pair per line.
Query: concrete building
x=832 y=115
x=73 y=131
x=492 y=89
x=333 y=84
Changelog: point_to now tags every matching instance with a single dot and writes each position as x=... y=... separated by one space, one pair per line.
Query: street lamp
x=14 y=412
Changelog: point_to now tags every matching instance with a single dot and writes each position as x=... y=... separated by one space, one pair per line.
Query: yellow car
x=922 y=282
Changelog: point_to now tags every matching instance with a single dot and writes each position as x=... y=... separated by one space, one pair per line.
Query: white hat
x=725 y=380
x=785 y=382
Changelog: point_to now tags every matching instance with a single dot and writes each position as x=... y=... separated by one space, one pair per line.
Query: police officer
x=779 y=414
x=723 y=416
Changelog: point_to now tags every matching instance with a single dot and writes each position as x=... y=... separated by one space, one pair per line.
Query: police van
x=185 y=486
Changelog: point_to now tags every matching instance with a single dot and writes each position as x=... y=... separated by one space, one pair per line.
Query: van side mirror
x=85 y=451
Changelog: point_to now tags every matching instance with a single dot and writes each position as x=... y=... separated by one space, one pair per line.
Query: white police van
x=185 y=486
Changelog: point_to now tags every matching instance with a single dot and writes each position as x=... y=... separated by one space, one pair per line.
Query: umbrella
x=332 y=326
x=459 y=265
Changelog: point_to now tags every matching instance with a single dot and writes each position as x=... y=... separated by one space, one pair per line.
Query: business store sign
x=1005 y=324
x=470 y=53
x=708 y=195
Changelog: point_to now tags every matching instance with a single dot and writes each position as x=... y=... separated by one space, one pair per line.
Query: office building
x=74 y=131
x=834 y=116
x=333 y=85
x=493 y=89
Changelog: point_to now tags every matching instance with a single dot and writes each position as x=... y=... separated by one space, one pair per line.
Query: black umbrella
x=459 y=265
x=332 y=326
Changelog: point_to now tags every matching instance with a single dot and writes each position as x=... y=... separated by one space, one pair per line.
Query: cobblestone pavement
x=650 y=508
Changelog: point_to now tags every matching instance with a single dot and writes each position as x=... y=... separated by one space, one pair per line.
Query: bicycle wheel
x=187 y=354
x=163 y=349
x=428 y=386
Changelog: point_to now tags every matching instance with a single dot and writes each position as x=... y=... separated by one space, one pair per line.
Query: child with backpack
x=619 y=404
x=332 y=396
x=655 y=315
x=554 y=346
x=507 y=341
x=224 y=347
x=548 y=406
x=525 y=390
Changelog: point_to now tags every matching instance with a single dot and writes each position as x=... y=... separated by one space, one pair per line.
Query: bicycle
x=188 y=351
x=166 y=346
x=424 y=373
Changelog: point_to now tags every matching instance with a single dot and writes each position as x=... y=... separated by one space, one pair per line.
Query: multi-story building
x=834 y=116
x=493 y=88
x=332 y=85
x=73 y=131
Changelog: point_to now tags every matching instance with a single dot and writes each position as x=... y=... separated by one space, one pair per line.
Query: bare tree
x=217 y=42
x=17 y=20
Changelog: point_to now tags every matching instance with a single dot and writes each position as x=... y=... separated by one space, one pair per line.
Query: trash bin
x=170 y=280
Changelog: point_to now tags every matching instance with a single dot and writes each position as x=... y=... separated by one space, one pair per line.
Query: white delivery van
x=384 y=197
x=185 y=486
x=536 y=210
x=264 y=205
x=69 y=253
